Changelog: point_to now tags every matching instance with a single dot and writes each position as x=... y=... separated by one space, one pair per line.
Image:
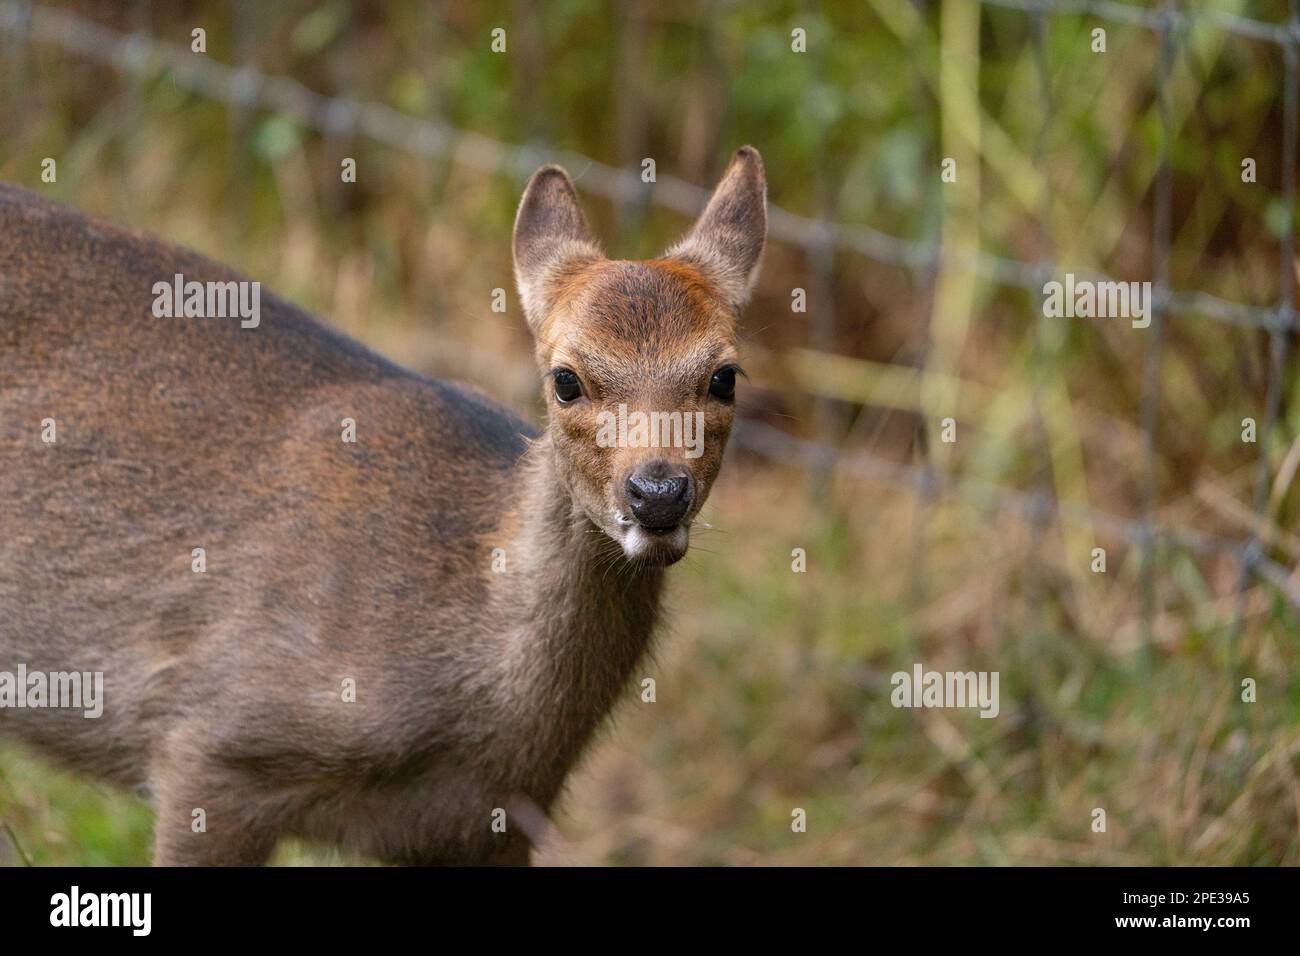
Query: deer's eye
x=567 y=387
x=723 y=383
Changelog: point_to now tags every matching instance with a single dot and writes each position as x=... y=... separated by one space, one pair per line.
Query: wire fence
x=245 y=88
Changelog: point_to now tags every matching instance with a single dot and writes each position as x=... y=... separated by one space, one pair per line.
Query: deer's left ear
x=727 y=240
x=551 y=237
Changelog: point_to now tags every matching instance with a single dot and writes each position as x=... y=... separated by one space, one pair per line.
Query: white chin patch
x=637 y=541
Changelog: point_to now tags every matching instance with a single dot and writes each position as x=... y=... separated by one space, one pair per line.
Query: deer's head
x=639 y=359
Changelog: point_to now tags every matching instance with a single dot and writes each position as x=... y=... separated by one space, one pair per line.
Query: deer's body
x=480 y=674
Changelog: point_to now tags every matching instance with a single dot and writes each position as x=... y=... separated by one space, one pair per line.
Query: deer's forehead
x=630 y=310
x=652 y=340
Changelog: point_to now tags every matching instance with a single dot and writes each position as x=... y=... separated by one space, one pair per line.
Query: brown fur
x=326 y=560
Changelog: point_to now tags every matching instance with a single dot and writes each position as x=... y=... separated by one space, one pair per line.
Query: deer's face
x=639 y=359
x=640 y=367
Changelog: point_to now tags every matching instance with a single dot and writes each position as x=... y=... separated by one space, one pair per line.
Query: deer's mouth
x=655 y=546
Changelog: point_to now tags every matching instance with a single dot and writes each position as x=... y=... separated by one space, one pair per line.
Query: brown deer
x=389 y=643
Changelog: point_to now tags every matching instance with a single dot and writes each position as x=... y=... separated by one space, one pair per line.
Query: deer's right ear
x=551 y=238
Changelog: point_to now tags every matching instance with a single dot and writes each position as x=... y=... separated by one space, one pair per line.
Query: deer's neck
x=577 y=620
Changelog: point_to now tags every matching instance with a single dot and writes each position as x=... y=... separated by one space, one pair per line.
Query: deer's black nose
x=659 y=495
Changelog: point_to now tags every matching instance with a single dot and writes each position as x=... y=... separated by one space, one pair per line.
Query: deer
x=397 y=645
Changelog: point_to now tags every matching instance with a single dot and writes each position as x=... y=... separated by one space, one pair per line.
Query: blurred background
x=1120 y=689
